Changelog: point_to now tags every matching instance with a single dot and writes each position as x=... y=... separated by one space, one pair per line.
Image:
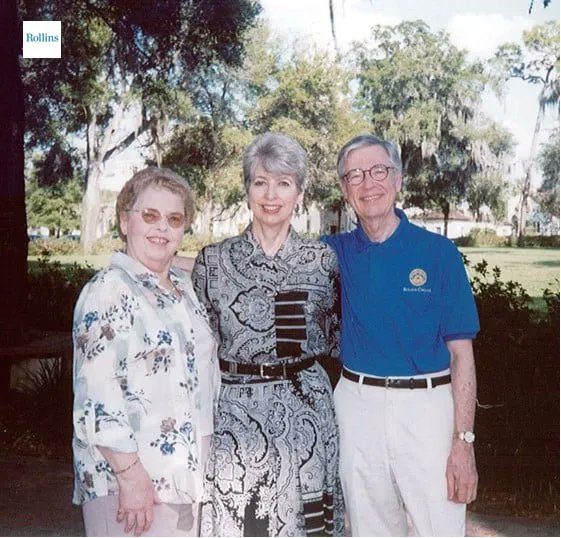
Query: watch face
x=468 y=437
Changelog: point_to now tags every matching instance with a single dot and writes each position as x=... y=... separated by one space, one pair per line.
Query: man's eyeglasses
x=378 y=172
x=151 y=216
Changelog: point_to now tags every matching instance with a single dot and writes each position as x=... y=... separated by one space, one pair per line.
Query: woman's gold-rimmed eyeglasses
x=151 y=216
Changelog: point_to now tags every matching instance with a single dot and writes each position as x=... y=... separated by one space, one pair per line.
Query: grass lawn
x=535 y=268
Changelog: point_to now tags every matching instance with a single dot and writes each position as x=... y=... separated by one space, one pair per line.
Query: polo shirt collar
x=363 y=242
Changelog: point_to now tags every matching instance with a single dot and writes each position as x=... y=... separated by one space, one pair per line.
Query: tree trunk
x=100 y=148
x=446 y=213
x=528 y=177
x=209 y=206
x=339 y=211
x=13 y=223
x=90 y=208
x=332 y=24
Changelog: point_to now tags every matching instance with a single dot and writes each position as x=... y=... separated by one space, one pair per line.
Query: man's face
x=371 y=199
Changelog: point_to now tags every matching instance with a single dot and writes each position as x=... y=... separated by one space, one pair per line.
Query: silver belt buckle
x=232 y=367
x=261 y=373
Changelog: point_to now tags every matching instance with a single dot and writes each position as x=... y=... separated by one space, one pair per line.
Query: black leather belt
x=398 y=382
x=282 y=370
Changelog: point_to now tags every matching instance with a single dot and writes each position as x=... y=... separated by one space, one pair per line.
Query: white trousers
x=394 y=444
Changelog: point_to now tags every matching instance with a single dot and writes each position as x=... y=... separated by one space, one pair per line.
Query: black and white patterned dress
x=273 y=467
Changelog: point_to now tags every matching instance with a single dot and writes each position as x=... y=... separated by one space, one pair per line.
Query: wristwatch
x=467 y=437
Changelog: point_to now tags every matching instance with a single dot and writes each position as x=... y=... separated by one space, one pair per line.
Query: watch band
x=467 y=436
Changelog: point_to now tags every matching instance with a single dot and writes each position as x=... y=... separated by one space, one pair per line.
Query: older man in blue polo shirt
x=406 y=398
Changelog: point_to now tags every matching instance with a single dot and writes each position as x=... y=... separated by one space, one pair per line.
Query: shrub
x=107 y=244
x=53 y=247
x=482 y=237
x=462 y=241
x=193 y=243
x=43 y=398
x=53 y=291
x=514 y=350
x=517 y=358
x=541 y=241
x=551 y=299
x=508 y=301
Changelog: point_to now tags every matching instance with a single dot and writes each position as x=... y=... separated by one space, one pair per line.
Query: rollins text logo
x=41 y=39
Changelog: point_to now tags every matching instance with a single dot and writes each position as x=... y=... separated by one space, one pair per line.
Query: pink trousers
x=100 y=515
x=100 y=519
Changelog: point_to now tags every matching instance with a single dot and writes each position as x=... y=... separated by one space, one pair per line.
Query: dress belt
x=398 y=382
x=282 y=370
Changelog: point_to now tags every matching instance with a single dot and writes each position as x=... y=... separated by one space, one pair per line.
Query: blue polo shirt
x=402 y=300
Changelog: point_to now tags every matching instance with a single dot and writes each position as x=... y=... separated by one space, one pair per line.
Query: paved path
x=35 y=500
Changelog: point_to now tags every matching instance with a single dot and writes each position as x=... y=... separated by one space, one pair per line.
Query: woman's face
x=272 y=197
x=154 y=243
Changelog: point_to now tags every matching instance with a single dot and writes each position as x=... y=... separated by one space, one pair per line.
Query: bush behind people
x=517 y=420
x=487 y=237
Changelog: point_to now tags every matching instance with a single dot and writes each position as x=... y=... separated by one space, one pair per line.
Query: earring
x=297 y=209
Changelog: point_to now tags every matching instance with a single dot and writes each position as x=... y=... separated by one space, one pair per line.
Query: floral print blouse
x=146 y=380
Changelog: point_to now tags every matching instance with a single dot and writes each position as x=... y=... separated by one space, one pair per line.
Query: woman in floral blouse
x=145 y=373
x=270 y=296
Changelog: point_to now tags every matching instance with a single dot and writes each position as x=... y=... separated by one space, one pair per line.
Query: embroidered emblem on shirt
x=417 y=277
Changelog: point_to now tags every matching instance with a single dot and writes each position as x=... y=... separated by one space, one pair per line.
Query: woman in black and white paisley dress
x=270 y=295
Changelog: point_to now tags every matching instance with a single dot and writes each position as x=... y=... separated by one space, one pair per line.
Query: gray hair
x=363 y=141
x=160 y=178
x=277 y=154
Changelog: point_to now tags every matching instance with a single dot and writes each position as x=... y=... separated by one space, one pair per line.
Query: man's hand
x=461 y=473
x=136 y=501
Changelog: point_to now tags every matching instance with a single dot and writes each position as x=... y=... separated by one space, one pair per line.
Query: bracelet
x=127 y=468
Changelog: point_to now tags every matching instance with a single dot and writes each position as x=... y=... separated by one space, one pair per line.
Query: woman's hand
x=137 y=498
x=137 y=495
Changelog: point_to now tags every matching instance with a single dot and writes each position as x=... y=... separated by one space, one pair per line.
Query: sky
x=478 y=26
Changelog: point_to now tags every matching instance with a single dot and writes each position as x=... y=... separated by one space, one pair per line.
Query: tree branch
x=128 y=140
